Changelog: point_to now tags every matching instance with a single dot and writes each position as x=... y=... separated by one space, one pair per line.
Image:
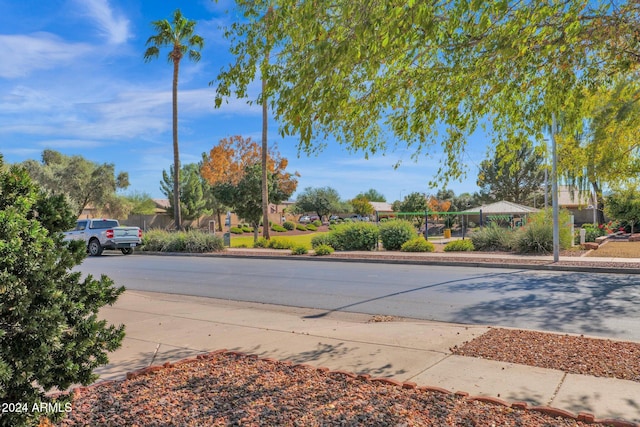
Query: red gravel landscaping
x=226 y=389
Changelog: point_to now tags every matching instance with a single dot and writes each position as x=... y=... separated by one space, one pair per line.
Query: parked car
x=334 y=218
x=101 y=234
x=304 y=219
x=314 y=218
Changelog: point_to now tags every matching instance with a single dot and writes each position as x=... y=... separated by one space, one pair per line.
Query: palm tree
x=178 y=35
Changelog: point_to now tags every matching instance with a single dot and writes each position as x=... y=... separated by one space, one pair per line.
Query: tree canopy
x=321 y=200
x=429 y=73
x=372 y=195
x=83 y=182
x=193 y=203
x=512 y=175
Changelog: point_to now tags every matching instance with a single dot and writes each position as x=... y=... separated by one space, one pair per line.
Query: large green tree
x=321 y=200
x=179 y=36
x=413 y=202
x=605 y=151
x=83 y=182
x=431 y=73
x=50 y=333
x=624 y=205
x=512 y=175
x=373 y=195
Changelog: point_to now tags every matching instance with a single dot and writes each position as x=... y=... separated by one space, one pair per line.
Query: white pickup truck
x=101 y=234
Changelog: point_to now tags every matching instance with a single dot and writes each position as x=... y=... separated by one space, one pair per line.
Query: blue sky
x=73 y=79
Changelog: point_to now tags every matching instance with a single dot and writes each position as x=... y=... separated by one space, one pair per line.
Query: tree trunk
x=265 y=175
x=599 y=201
x=176 y=155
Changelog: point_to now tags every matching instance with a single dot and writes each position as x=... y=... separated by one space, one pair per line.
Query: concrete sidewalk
x=165 y=327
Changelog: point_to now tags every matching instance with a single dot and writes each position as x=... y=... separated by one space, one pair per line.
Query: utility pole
x=554 y=191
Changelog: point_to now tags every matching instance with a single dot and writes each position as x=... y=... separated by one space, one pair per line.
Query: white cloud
x=112 y=25
x=38 y=51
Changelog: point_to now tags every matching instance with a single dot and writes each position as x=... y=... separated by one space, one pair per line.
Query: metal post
x=426 y=224
x=554 y=192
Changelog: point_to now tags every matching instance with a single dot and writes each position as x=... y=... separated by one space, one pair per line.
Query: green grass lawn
x=246 y=240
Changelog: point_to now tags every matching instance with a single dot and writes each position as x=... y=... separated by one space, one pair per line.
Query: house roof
x=381 y=206
x=502 y=207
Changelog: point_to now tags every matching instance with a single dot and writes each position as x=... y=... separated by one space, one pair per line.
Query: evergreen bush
x=50 y=335
x=317 y=223
x=311 y=227
x=236 y=230
x=355 y=236
x=301 y=227
x=394 y=233
x=289 y=225
x=418 y=244
x=459 y=246
x=324 y=239
x=537 y=234
x=278 y=228
x=299 y=250
x=262 y=242
x=281 y=244
x=323 y=250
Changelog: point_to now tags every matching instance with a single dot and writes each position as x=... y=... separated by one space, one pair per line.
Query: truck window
x=103 y=224
x=81 y=225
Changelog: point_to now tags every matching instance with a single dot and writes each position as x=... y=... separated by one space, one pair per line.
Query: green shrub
x=417 y=244
x=394 y=233
x=50 y=333
x=281 y=244
x=236 y=230
x=301 y=227
x=201 y=242
x=537 y=234
x=355 y=236
x=262 y=242
x=153 y=240
x=332 y=221
x=289 y=225
x=278 y=228
x=311 y=227
x=247 y=229
x=459 y=246
x=193 y=241
x=493 y=238
x=593 y=232
x=323 y=250
x=324 y=239
x=299 y=250
x=317 y=223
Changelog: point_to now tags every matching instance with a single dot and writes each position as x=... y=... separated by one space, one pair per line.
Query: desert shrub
x=459 y=246
x=193 y=241
x=324 y=239
x=289 y=225
x=417 y=244
x=323 y=250
x=50 y=334
x=317 y=223
x=355 y=236
x=301 y=227
x=493 y=238
x=537 y=235
x=175 y=242
x=394 y=233
x=332 y=221
x=262 y=242
x=247 y=229
x=153 y=240
x=281 y=244
x=278 y=228
x=299 y=250
x=311 y=227
x=236 y=230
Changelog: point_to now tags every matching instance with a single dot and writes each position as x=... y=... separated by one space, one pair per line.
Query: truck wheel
x=95 y=249
x=127 y=251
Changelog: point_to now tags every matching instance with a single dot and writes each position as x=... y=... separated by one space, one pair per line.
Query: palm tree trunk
x=176 y=154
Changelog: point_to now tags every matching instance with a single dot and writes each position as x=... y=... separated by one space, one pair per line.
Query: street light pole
x=554 y=191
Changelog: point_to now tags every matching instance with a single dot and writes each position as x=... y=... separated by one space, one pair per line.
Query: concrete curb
x=584 y=417
x=549 y=266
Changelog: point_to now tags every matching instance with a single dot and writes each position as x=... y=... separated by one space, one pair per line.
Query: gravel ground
x=568 y=353
x=227 y=389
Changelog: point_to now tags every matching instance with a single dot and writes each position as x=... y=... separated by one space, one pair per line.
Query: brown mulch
x=227 y=389
x=568 y=353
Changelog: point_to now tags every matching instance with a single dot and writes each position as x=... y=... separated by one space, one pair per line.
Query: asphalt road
x=595 y=304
